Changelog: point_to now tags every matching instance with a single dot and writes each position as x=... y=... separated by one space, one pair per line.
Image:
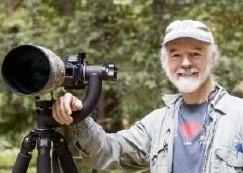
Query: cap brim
x=198 y=35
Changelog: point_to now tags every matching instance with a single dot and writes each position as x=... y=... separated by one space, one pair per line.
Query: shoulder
x=225 y=101
x=153 y=121
x=230 y=124
x=231 y=103
x=234 y=99
x=158 y=114
x=155 y=115
x=232 y=108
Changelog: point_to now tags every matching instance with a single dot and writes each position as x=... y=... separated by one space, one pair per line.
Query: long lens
x=30 y=70
x=26 y=69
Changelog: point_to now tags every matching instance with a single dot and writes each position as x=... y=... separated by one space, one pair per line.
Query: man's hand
x=63 y=107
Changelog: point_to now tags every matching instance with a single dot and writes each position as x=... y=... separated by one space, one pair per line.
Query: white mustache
x=188 y=73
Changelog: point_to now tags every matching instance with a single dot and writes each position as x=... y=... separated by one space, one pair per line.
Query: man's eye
x=196 y=54
x=176 y=55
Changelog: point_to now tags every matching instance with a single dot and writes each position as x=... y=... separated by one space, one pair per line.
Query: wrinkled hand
x=63 y=107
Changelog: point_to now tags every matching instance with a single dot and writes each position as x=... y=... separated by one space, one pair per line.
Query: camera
x=32 y=70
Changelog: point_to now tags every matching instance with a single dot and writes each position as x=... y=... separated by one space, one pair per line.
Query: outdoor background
x=127 y=33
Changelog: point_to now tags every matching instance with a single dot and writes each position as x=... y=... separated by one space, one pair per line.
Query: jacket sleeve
x=126 y=149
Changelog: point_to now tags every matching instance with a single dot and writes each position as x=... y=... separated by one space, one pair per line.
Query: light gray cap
x=188 y=28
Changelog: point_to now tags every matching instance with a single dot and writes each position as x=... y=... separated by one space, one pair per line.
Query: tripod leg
x=44 y=159
x=65 y=157
x=24 y=156
x=55 y=165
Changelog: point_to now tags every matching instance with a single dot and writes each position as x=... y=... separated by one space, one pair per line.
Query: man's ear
x=213 y=58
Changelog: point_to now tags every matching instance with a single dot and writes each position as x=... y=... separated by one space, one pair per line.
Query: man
x=199 y=130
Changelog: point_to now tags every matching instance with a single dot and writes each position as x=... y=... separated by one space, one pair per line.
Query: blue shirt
x=188 y=147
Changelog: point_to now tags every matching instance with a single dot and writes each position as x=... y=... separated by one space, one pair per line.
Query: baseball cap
x=188 y=28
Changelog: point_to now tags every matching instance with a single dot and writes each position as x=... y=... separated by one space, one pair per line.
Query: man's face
x=188 y=65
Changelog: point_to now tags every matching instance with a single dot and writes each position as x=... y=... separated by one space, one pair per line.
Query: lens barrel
x=32 y=70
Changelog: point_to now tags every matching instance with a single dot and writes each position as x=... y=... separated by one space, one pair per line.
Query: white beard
x=188 y=84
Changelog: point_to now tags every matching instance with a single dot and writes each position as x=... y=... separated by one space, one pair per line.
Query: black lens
x=26 y=69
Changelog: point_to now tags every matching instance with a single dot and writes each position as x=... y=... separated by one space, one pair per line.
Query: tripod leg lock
x=24 y=156
x=28 y=145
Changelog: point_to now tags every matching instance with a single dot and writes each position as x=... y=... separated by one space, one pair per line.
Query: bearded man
x=199 y=130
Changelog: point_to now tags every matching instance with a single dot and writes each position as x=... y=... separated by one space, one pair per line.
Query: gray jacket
x=149 y=143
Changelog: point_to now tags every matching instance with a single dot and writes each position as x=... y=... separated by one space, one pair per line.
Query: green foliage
x=125 y=32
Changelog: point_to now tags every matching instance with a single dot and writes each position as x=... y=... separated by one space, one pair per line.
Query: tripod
x=46 y=139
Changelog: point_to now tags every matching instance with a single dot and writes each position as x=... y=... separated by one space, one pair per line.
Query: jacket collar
x=217 y=102
x=171 y=99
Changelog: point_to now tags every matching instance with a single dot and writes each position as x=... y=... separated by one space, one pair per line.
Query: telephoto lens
x=32 y=70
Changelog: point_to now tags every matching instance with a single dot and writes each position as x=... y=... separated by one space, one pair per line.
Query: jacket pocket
x=228 y=161
x=159 y=156
x=159 y=159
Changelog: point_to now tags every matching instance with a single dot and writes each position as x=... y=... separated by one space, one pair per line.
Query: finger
x=55 y=112
x=60 y=111
x=67 y=109
x=67 y=103
x=76 y=104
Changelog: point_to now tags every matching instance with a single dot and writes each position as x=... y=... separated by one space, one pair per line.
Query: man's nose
x=186 y=63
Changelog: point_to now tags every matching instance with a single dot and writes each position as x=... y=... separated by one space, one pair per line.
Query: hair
x=213 y=52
